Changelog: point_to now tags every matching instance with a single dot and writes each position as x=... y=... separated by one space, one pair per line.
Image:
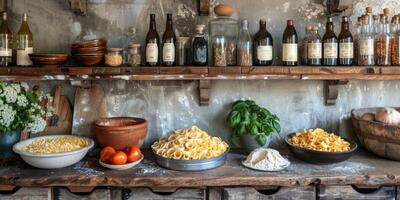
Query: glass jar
x=134 y=55
x=396 y=42
x=383 y=43
x=182 y=51
x=245 y=51
x=219 y=51
x=366 y=45
x=113 y=57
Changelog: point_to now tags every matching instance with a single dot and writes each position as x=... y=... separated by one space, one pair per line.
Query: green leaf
x=253 y=130
x=242 y=129
x=239 y=105
x=246 y=117
x=261 y=140
x=277 y=126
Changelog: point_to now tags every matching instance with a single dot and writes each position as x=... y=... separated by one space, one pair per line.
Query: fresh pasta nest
x=190 y=144
x=56 y=145
x=319 y=140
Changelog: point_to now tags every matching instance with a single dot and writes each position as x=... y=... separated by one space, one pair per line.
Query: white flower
x=7 y=115
x=25 y=86
x=9 y=94
x=16 y=87
x=37 y=125
x=22 y=101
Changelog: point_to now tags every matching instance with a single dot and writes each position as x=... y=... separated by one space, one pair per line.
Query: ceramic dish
x=121 y=167
x=276 y=170
x=320 y=157
x=51 y=160
x=49 y=59
x=89 y=60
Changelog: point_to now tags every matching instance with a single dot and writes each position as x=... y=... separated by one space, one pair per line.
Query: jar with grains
x=396 y=42
x=134 y=55
x=219 y=51
x=182 y=51
x=114 y=57
x=383 y=43
x=366 y=46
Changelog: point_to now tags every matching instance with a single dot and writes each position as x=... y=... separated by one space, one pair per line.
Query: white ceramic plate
x=276 y=170
x=121 y=167
x=51 y=160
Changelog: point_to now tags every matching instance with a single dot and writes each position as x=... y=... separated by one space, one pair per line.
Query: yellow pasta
x=190 y=144
x=56 y=145
x=319 y=140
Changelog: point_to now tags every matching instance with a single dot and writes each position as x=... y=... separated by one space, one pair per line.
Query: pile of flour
x=266 y=159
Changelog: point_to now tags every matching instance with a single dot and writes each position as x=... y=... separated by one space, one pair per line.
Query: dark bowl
x=90 y=43
x=89 y=60
x=49 y=59
x=320 y=157
x=88 y=50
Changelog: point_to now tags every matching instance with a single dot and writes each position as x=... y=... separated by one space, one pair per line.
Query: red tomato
x=133 y=154
x=119 y=158
x=106 y=154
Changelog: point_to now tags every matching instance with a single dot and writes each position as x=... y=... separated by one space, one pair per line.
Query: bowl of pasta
x=190 y=149
x=320 y=147
x=55 y=151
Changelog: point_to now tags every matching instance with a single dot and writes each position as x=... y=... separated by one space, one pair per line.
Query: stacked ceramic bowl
x=89 y=52
x=50 y=60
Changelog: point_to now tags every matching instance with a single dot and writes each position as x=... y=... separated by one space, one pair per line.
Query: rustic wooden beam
x=331 y=90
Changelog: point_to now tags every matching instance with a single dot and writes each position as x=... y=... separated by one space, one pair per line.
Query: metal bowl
x=320 y=157
x=51 y=160
x=191 y=165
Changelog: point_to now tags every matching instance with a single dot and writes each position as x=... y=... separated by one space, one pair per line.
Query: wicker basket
x=379 y=138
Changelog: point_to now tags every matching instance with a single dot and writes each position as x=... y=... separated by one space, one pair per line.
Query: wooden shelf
x=199 y=73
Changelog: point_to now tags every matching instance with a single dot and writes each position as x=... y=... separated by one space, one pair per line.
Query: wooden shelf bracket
x=204 y=92
x=78 y=6
x=331 y=90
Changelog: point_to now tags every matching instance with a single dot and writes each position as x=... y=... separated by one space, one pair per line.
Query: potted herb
x=252 y=125
x=20 y=109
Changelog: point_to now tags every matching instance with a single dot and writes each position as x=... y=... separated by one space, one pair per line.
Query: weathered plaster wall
x=173 y=105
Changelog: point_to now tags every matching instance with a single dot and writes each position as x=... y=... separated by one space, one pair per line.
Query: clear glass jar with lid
x=225 y=27
x=114 y=57
x=219 y=51
x=134 y=54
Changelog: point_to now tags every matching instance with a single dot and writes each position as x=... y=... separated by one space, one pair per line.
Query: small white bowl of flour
x=266 y=159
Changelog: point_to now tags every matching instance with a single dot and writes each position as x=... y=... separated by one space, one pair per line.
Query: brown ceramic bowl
x=89 y=60
x=120 y=132
x=88 y=50
x=90 y=43
x=223 y=10
x=49 y=59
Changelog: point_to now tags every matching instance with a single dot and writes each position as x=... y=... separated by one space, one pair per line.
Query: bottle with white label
x=346 y=45
x=314 y=54
x=330 y=45
x=290 y=45
x=366 y=46
x=24 y=43
x=6 y=43
x=168 y=48
x=152 y=43
x=263 y=46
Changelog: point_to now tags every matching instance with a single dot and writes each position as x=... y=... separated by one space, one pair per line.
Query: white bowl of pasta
x=51 y=152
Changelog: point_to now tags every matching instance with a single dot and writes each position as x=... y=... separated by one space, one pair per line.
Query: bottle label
x=366 y=47
x=264 y=53
x=5 y=52
x=23 y=56
x=315 y=50
x=346 y=50
x=169 y=52
x=289 y=52
x=151 y=53
x=330 y=50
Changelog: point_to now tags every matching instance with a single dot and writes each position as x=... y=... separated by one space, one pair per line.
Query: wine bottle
x=6 y=43
x=330 y=45
x=24 y=43
x=168 y=48
x=152 y=43
x=314 y=48
x=263 y=46
x=200 y=47
x=289 y=45
x=346 y=45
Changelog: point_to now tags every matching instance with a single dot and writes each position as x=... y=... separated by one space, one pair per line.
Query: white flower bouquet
x=22 y=108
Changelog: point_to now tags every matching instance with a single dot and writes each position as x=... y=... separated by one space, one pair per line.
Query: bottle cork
x=368 y=9
x=386 y=11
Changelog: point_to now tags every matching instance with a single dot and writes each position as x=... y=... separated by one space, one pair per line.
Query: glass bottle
x=330 y=45
x=219 y=51
x=24 y=43
x=314 y=48
x=376 y=25
x=168 y=45
x=346 y=46
x=182 y=51
x=152 y=43
x=366 y=44
x=289 y=45
x=304 y=57
x=6 y=43
x=396 y=43
x=263 y=46
x=355 y=39
x=245 y=53
x=382 y=43
x=200 y=47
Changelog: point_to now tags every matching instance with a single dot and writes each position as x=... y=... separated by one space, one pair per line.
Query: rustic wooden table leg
x=214 y=193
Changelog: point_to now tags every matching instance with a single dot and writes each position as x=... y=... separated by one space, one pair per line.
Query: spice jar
x=383 y=43
x=219 y=51
x=396 y=42
x=181 y=51
x=113 y=57
x=134 y=54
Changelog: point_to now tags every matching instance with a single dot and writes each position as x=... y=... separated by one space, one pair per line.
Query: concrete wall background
x=174 y=105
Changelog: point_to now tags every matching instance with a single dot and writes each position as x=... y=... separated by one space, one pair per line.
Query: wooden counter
x=362 y=169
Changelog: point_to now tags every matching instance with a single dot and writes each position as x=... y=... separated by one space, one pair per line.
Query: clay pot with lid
x=120 y=132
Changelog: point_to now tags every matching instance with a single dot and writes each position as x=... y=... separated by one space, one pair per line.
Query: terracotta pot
x=120 y=132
